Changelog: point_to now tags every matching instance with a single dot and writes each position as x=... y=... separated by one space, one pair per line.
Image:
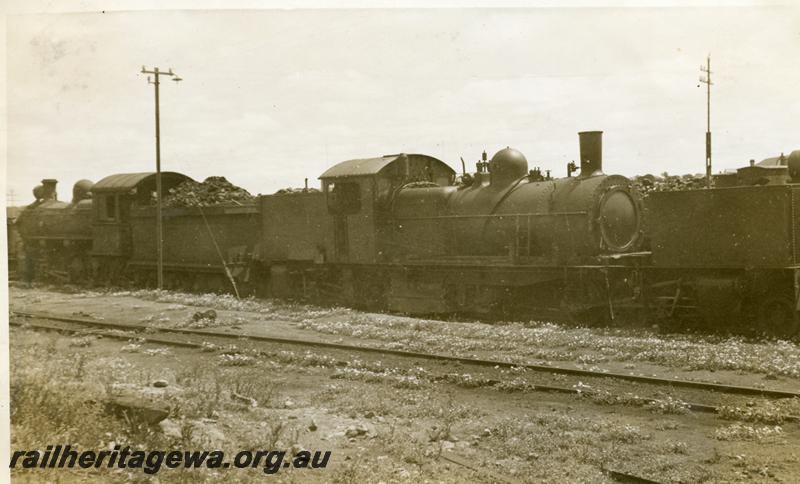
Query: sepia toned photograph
x=402 y=243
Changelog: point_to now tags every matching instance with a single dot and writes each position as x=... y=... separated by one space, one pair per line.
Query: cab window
x=107 y=207
x=344 y=198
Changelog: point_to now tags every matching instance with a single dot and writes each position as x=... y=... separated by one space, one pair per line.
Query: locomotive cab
x=114 y=196
x=358 y=194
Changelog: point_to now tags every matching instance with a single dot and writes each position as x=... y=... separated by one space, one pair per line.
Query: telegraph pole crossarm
x=155 y=81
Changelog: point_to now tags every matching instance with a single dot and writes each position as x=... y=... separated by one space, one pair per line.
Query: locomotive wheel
x=77 y=269
x=171 y=281
x=140 y=278
x=776 y=317
x=191 y=282
x=185 y=281
x=589 y=306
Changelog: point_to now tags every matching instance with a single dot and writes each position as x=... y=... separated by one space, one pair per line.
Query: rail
x=708 y=386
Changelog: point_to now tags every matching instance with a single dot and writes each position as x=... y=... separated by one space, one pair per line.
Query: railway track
x=122 y=331
x=672 y=382
x=77 y=325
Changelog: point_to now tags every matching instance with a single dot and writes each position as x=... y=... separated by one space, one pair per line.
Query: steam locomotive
x=405 y=233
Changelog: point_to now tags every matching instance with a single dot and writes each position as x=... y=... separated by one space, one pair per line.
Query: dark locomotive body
x=509 y=239
x=404 y=233
x=57 y=235
x=201 y=245
x=729 y=255
x=13 y=242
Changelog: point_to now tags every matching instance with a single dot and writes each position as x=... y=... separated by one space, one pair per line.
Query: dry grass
x=53 y=402
x=58 y=397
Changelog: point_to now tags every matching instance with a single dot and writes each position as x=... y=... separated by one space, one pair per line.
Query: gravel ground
x=734 y=360
x=415 y=420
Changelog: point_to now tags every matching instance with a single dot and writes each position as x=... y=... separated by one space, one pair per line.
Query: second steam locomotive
x=405 y=233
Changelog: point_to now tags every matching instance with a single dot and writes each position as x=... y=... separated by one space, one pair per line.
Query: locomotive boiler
x=505 y=210
x=508 y=236
x=57 y=235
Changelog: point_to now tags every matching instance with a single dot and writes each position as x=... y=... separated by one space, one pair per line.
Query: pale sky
x=270 y=97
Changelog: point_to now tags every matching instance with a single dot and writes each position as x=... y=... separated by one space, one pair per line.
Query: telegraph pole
x=706 y=79
x=159 y=227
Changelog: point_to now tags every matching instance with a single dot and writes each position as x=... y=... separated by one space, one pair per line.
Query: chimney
x=49 y=189
x=591 y=143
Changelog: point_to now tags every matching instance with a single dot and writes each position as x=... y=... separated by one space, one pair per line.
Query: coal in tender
x=296 y=191
x=214 y=190
x=647 y=184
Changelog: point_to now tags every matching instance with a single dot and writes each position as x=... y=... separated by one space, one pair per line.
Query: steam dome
x=507 y=165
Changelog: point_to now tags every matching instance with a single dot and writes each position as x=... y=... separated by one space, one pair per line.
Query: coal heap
x=214 y=190
x=295 y=191
x=647 y=184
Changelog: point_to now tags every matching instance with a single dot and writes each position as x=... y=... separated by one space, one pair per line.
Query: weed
x=236 y=359
x=669 y=405
x=739 y=431
x=79 y=360
x=677 y=447
x=768 y=412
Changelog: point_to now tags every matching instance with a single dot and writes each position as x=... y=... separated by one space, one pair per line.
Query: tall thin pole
x=707 y=81
x=159 y=225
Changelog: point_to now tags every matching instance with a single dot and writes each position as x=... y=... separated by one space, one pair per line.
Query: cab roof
x=373 y=166
x=123 y=182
